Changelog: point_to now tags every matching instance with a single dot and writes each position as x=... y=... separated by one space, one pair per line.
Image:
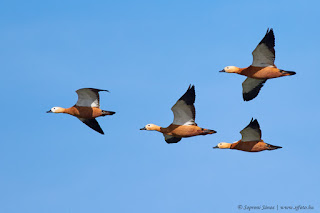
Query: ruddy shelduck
x=251 y=140
x=261 y=69
x=183 y=124
x=86 y=109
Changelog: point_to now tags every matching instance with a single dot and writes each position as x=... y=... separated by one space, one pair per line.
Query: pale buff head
x=151 y=127
x=223 y=145
x=231 y=69
x=56 y=110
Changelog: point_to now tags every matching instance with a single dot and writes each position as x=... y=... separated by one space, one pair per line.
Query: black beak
x=143 y=128
x=215 y=147
x=49 y=111
x=222 y=71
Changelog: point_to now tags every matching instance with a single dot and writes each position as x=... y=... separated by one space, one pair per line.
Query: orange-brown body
x=262 y=72
x=184 y=130
x=250 y=146
x=84 y=112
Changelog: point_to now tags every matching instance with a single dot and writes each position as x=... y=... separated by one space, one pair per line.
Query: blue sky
x=146 y=53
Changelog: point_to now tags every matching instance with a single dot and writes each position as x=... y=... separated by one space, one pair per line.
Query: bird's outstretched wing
x=184 y=111
x=252 y=132
x=251 y=88
x=88 y=97
x=171 y=139
x=93 y=124
x=264 y=53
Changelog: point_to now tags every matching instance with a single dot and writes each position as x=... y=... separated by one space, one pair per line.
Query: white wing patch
x=87 y=98
x=263 y=57
x=183 y=114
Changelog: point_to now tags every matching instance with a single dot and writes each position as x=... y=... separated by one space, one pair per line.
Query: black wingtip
x=269 y=30
x=247 y=97
x=97 y=130
x=269 y=39
x=189 y=96
x=191 y=86
x=254 y=124
x=93 y=124
x=173 y=140
x=100 y=131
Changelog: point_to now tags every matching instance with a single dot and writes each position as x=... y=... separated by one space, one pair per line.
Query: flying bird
x=86 y=109
x=251 y=140
x=183 y=124
x=261 y=69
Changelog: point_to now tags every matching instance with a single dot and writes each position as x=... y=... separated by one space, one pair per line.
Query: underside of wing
x=88 y=97
x=251 y=132
x=184 y=111
x=264 y=53
x=251 y=88
x=93 y=124
x=171 y=139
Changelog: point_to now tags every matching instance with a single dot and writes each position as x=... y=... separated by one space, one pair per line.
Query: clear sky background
x=146 y=53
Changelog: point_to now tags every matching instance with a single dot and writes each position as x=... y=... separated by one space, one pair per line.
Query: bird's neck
x=60 y=110
x=157 y=128
x=232 y=145
x=240 y=70
x=71 y=110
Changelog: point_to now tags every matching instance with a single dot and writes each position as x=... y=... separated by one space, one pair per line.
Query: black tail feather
x=291 y=72
x=209 y=131
x=288 y=72
x=107 y=113
x=272 y=147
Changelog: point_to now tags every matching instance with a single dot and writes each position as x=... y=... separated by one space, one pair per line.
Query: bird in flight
x=251 y=140
x=261 y=69
x=183 y=124
x=87 y=108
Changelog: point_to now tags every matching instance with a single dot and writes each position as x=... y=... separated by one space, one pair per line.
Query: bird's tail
x=272 y=147
x=104 y=113
x=284 y=72
x=208 y=131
